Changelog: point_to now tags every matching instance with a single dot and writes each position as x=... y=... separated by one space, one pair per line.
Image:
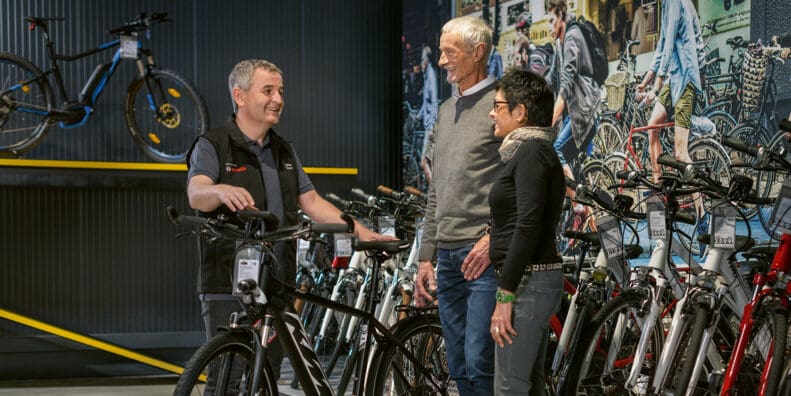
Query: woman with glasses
x=525 y=206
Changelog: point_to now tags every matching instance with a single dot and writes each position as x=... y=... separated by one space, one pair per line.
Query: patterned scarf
x=517 y=136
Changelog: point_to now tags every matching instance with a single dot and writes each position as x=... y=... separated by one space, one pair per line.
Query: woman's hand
x=501 y=327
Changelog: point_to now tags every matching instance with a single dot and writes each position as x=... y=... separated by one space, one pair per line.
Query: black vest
x=240 y=167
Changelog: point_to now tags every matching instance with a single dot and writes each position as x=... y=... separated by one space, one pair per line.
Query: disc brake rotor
x=169 y=116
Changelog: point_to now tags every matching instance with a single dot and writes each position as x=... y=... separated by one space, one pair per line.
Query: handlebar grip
x=666 y=159
x=191 y=221
x=739 y=145
x=414 y=191
x=385 y=190
x=571 y=184
x=340 y=201
x=389 y=192
x=369 y=199
x=330 y=228
x=760 y=201
x=270 y=220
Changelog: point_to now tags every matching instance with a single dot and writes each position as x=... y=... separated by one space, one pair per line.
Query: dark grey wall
x=93 y=251
x=769 y=18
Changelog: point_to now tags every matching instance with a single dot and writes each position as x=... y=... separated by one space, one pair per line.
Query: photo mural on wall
x=738 y=74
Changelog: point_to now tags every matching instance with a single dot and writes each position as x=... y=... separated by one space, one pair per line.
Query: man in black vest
x=246 y=165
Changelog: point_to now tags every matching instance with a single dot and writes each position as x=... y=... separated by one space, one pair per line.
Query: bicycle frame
x=296 y=342
x=765 y=288
x=92 y=88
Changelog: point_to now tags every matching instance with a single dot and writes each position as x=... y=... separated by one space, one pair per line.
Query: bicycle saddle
x=590 y=237
x=742 y=242
x=389 y=247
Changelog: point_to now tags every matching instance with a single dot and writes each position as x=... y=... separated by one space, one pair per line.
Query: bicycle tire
x=752 y=136
x=598 y=337
x=165 y=126
x=772 y=183
x=596 y=173
x=609 y=137
x=223 y=346
x=723 y=122
x=21 y=131
x=678 y=376
x=586 y=312
x=422 y=335
x=770 y=320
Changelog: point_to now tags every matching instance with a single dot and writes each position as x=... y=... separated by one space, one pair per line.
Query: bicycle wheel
x=723 y=122
x=595 y=173
x=165 y=115
x=770 y=183
x=392 y=373
x=768 y=336
x=680 y=371
x=223 y=366
x=25 y=100
x=752 y=136
x=609 y=137
x=588 y=372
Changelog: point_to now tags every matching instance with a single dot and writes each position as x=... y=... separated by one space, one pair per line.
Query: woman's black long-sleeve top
x=526 y=202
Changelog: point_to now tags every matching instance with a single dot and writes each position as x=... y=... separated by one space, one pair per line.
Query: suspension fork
x=646 y=330
x=261 y=348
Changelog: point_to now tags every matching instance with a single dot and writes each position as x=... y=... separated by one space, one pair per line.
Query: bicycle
x=235 y=360
x=163 y=112
x=757 y=358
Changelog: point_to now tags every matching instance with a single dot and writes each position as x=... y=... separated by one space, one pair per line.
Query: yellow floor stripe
x=90 y=341
x=145 y=166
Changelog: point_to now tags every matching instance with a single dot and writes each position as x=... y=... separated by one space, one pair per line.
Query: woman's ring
x=496 y=329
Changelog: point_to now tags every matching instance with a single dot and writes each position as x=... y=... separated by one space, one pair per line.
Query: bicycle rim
x=589 y=368
x=768 y=338
x=224 y=366
x=21 y=125
x=770 y=184
x=165 y=120
x=395 y=374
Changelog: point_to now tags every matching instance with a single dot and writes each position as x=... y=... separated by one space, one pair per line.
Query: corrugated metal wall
x=93 y=250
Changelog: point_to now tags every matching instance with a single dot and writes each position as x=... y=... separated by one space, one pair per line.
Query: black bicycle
x=409 y=358
x=164 y=113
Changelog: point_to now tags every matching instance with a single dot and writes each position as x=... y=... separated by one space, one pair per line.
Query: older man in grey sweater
x=465 y=164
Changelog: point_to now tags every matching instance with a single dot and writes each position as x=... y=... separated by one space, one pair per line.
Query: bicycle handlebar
x=739 y=145
x=414 y=191
x=270 y=220
x=141 y=23
x=369 y=199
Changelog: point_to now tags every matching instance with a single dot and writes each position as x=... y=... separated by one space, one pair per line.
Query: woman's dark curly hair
x=531 y=90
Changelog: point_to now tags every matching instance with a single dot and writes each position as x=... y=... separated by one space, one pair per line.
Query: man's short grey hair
x=473 y=31
x=242 y=74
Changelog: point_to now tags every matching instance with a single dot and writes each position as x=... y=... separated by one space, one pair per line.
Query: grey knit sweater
x=465 y=165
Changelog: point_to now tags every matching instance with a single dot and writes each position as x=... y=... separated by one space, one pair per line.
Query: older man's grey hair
x=242 y=75
x=473 y=31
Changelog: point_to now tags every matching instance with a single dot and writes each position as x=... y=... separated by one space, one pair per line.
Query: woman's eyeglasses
x=496 y=104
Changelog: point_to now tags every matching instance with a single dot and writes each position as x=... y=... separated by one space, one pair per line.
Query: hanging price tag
x=781 y=214
x=245 y=269
x=343 y=245
x=128 y=47
x=723 y=226
x=302 y=252
x=657 y=226
x=610 y=236
x=387 y=225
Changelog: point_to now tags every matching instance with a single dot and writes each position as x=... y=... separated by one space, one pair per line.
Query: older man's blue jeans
x=465 y=310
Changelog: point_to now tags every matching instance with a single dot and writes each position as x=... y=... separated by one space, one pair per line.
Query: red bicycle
x=756 y=362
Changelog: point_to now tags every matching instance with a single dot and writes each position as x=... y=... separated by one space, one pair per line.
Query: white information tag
x=128 y=47
x=723 y=226
x=302 y=252
x=781 y=214
x=387 y=225
x=610 y=236
x=343 y=245
x=656 y=218
x=246 y=269
x=419 y=230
